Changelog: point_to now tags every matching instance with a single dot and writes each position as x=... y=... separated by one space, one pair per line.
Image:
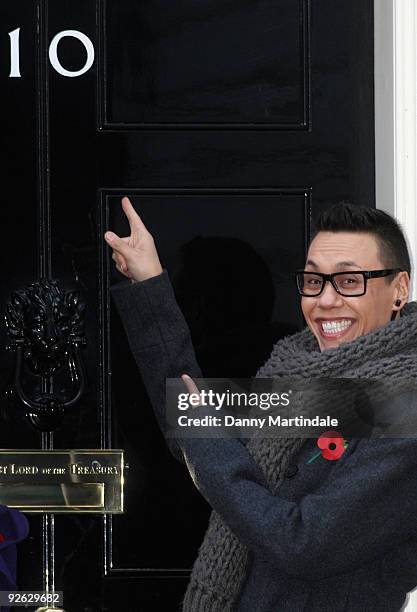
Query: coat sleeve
x=365 y=510
x=159 y=339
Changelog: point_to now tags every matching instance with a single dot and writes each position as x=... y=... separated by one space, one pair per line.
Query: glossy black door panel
x=233 y=254
x=207 y=63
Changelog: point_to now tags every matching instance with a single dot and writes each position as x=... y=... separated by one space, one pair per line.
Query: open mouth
x=334 y=328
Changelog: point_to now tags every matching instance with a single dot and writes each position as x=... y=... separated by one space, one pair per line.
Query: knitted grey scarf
x=389 y=352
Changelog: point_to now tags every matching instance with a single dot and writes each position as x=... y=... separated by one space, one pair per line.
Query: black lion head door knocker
x=45 y=326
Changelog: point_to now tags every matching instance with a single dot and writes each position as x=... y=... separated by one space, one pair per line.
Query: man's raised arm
x=156 y=330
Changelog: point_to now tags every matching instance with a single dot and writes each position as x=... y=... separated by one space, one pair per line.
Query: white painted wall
x=396 y=127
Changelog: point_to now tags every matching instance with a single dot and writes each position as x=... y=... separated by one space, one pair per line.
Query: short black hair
x=347 y=217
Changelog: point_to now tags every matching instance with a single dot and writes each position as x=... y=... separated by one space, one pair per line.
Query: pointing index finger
x=190 y=384
x=135 y=221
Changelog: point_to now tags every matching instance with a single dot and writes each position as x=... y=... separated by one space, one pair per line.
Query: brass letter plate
x=75 y=481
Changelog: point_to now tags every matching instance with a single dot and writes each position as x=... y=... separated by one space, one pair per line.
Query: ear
x=402 y=289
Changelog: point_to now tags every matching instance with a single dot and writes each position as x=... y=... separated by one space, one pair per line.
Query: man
x=288 y=533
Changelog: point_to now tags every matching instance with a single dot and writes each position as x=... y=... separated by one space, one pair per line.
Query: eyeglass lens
x=348 y=284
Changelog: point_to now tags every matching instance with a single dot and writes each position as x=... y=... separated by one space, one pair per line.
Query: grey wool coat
x=361 y=508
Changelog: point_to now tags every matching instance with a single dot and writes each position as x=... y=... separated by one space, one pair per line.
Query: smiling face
x=334 y=319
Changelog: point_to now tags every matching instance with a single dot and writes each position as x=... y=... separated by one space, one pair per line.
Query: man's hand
x=136 y=256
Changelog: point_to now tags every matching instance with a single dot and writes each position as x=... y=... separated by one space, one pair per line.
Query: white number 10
x=53 y=53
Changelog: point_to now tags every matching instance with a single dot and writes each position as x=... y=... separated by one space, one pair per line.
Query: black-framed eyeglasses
x=348 y=284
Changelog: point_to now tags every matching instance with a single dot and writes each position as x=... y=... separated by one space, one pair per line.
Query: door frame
x=395 y=45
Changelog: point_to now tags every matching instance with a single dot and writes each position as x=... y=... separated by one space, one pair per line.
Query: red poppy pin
x=332 y=446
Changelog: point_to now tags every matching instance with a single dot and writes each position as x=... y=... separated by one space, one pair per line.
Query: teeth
x=335 y=327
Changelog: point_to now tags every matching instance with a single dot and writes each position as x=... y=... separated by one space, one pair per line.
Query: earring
x=397 y=303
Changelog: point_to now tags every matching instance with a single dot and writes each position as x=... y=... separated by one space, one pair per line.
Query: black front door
x=229 y=125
